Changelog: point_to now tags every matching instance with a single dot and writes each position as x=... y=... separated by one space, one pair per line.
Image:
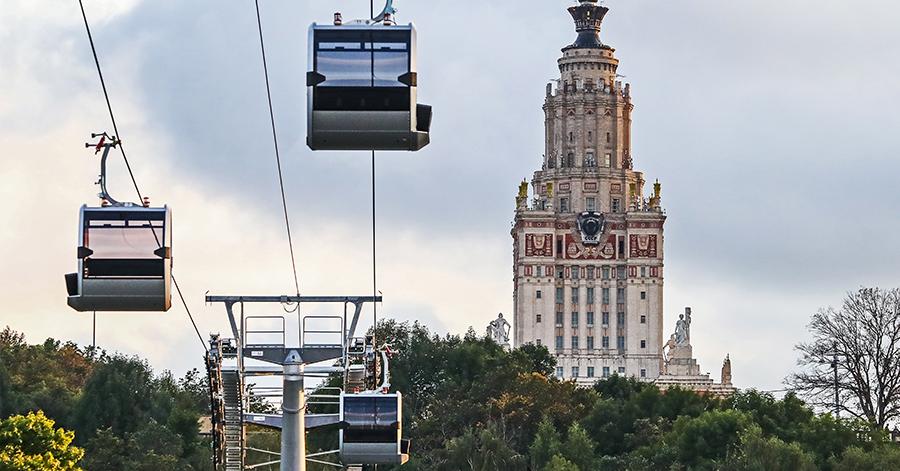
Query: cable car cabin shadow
x=361 y=86
x=371 y=429
x=124 y=260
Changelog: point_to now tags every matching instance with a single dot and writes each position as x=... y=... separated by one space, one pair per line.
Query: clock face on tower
x=591 y=224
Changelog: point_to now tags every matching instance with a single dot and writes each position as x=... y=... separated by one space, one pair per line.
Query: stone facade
x=588 y=244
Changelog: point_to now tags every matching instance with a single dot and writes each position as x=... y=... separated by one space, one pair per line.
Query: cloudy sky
x=773 y=126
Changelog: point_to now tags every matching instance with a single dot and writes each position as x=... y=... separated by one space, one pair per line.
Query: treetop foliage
x=124 y=416
x=33 y=443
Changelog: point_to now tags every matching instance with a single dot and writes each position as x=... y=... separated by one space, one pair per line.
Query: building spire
x=588 y=16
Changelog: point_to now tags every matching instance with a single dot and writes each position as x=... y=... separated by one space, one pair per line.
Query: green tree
x=579 y=448
x=33 y=443
x=881 y=458
x=484 y=450
x=46 y=377
x=546 y=445
x=118 y=395
x=558 y=463
x=106 y=452
x=702 y=442
x=758 y=453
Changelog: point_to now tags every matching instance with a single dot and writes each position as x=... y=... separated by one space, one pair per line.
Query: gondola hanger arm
x=388 y=12
x=105 y=143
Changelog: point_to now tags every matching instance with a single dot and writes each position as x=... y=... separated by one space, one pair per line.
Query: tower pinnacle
x=588 y=16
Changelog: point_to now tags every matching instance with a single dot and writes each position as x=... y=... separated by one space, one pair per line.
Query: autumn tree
x=864 y=336
x=33 y=443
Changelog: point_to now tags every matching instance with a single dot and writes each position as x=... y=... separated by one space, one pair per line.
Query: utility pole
x=834 y=366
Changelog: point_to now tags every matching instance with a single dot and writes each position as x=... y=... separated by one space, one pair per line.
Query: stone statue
x=726 y=371
x=656 y=198
x=668 y=348
x=522 y=196
x=523 y=190
x=498 y=330
x=683 y=328
x=550 y=190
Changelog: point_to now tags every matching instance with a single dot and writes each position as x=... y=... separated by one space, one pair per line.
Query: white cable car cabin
x=124 y=260
x=361 y=88
x=371 y=429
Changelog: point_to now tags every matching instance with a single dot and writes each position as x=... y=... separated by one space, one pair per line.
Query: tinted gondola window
x=370 y=419
x=390 y=61
x=362 y=70
x=386 y=411
x=122 y=246
x=123 y=241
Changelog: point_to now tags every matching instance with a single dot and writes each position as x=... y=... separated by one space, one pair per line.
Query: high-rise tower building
x=588 y=247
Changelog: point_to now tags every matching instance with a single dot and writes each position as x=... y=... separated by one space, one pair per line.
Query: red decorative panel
x=643 y=245
x=590 y=187
x=632 y=272
x=528 y=270
x=574 y=250
x=538 y=245
x=654 y=272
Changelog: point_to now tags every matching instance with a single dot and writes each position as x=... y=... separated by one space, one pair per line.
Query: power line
x=112 y=118
x=287 y=221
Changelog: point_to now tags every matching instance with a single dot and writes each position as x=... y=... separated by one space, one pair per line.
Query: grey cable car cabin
x=361 y=87
x=124 y=260
x=124 y=251
x=371 y=429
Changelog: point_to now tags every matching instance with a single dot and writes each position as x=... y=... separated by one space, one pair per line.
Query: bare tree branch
x=864 y=334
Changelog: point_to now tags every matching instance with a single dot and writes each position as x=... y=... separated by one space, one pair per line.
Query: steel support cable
x=112 y=118
x=287 y=221
x=374 y=259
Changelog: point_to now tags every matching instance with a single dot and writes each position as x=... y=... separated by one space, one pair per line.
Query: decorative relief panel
x=590 y=187
x=615 y=188
x=642 y=245
x=573 y=250
x=538 y=245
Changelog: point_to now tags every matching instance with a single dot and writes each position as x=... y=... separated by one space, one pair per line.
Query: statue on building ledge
x=681 y=369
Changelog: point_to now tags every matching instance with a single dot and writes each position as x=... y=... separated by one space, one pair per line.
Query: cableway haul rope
x=287 y=221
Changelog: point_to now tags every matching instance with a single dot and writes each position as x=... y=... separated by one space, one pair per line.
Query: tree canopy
x=32 y=442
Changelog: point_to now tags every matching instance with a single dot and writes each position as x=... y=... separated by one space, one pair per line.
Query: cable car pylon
x=369 y=416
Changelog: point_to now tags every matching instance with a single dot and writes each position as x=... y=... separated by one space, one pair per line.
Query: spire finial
x=588 y=16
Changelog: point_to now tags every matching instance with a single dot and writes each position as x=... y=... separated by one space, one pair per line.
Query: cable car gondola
x=371 y=429
x=124 y=254
x=361 y=88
